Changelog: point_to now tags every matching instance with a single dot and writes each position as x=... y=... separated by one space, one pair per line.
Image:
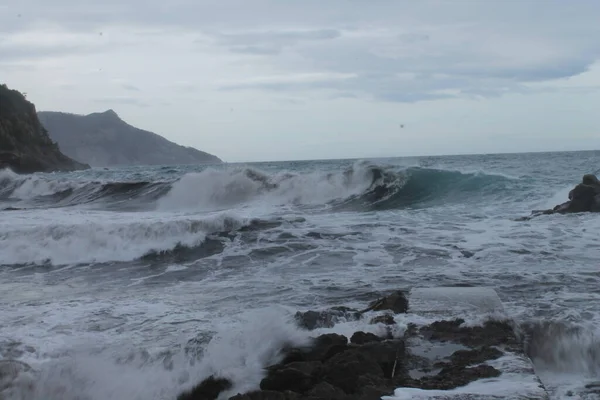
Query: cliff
x=104 y=139
x=25 y=146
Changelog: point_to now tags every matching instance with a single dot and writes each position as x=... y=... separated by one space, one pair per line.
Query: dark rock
x=287 y=379
x=362 y=338
x=345 y=369
x=325 y=319
x=25 y=146
x=396 y=302
x=455 y=376
x=383 y=319
x=585 y=197
x=375 y=392
x=476 y=356
x=324 y=390
x=492 y=333
x=389 y=355
x=208 y=389
x=321 y=349
x=307 y=367
x=267 y=395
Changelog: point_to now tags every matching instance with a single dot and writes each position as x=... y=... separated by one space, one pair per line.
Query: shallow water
x=107 y=274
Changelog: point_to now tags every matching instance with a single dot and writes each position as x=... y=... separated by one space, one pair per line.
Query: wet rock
x=267 y=395
x=585 y=197
x=492 y=333
x=389 y=355
x=362 y=338
x=325 y=319
x=325 y=390
x=395 y=302
x=345 y=369
x=476 y=356
x=321 y=349
x=455 y=376
x=383 y=319
x=307 y=367
x=208 y=389
x=287 y=379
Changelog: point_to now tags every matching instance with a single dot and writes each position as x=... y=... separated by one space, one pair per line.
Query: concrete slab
x=448 y=301
x=517 y=380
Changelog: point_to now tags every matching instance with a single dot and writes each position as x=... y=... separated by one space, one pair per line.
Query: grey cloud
x=272 y=42
x=121 y=101
x=36 y=52
x=130 y=87
x=419 y=41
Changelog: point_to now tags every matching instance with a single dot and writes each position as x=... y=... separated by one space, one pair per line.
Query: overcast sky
x=308 y=79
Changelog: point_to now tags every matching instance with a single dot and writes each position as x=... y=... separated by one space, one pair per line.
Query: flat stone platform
x=517 y=379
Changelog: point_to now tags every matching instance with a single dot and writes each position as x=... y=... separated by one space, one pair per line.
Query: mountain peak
x=108 y=114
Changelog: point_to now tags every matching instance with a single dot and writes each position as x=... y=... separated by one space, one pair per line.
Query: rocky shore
x=585 y=197
x=25 y=146
x=442 y=355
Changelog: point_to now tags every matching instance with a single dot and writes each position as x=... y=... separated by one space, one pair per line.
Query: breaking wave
x=98 y=241
x=364 y=186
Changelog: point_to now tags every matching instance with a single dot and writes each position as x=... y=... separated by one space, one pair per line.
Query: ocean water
x=136 y=283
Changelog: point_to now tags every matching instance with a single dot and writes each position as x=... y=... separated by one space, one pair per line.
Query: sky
x=257 y=80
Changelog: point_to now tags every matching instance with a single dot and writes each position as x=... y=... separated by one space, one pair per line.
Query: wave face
x=364 y=186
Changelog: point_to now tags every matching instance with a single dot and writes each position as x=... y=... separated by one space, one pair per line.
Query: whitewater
x=138 y=282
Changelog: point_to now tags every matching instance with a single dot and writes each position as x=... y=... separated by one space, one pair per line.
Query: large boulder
x=585 y=197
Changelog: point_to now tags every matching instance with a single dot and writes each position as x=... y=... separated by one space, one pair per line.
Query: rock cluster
x=585 y=197
x=367 y=366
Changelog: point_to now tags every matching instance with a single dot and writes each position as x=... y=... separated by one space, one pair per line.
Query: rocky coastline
x=25 y=146
x=584 y=197
x=442 y=355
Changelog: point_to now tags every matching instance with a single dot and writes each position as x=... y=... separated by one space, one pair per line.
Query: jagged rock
x=492 y=333
x=362 y=338
x=325 y=390
x=383 y=319
x=455 y=376
x=585 y=197
x=208 y=389
x=287 y=379
x=25 y=146
x=345 y=369
x=325 y=319
x=395 y=302
x=321 y=349
x=267 y=395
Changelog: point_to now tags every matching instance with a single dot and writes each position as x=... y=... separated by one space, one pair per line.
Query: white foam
x=85 y=237
x=213 y=189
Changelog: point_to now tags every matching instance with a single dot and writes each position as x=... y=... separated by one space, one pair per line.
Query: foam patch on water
x=102 y=237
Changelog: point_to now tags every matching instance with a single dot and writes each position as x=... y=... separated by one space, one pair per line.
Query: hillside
x=25 y=146
x=104 y=139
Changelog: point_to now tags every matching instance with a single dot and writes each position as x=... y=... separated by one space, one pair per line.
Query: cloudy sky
x=308 y=79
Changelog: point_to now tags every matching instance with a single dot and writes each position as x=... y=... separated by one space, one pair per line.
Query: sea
x=138 y=282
